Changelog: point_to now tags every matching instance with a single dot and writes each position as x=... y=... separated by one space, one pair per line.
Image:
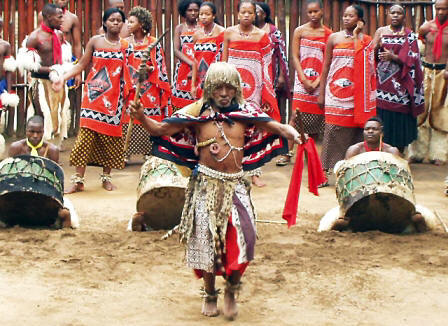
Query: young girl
x=100 y=141
x=183 y=50
x=208 y=42
x=155 y=91
x=248 y=48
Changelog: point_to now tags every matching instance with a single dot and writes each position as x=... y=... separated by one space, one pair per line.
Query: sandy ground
x=102 y=275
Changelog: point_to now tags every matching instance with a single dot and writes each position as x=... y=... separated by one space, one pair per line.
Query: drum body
x=31 y=191
x=161 y=193
x=375 y=191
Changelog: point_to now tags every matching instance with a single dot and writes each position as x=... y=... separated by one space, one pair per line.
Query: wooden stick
x=270 y=221
x=441 y=221
x=142 y=76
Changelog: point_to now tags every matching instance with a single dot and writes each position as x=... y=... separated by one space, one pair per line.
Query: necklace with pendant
x=138 y=42
x=245 y=35
x=347 y=35
x=111 y=43
x=211 y=31
x=190 y=29
x=400 y=32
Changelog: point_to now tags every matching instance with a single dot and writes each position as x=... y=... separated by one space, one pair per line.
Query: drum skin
x=375 y=190
x=31 y=191
x=161 y=193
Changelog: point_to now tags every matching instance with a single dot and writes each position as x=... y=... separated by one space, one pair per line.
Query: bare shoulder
x=95 y=40
x=426 y=27
x=179 y=28
x=53 y=152
x=354 y=150
x=4 y=47
x=220 y=28
x=16 y=148
x=258 y=33
x=380 y=31
x=392 y=150
x=299 y=30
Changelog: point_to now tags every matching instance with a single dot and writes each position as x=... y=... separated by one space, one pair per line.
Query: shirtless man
x=119 y=4
x=217 y=201
x=373 y=134
x=34 y=145
x=44 y=46
x=433 y=123
x=373 y=140
x=72 y=33
x=7 y=67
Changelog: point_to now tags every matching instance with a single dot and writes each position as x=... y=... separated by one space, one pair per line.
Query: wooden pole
x=327 y=14
x=87 y=19
x=272 y=6
x=281 y=21
x=29 y=16
x=168 y=43
x=175 y=17
x=382 y=15
x=153 y=9
x=228 y=14
x=373 y=24
x=336 y=16
x=220 y=10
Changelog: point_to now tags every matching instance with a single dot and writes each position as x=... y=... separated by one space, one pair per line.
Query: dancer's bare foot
x=341 y=224
x=138 y=222
x=419 y=223
x=65 y=218
x=230 y=307
x=76 y=187
x=256 y=181
x=210 y=306
x=108 y=186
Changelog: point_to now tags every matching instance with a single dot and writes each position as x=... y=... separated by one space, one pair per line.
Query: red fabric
x=312 y=53
x=102 y=90
x=230 y=258
x=204 y=57
x=350 y=95
x=182 y=82
x=257 y=80
x=155 y=91
x=316 y=177
x=365 y=81
x=57 y=50
x=368 y=149
x=439 y=39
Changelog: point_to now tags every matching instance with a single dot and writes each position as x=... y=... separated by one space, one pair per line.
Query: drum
x=31 y=191
x=375 y=191
x=161 y=193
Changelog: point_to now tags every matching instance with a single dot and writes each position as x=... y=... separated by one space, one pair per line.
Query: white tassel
x=9 y=99
x=330 y=217
x=28 y=60
x=66 y=52
x=10 y=64
x=56 y=73
x=2 y=146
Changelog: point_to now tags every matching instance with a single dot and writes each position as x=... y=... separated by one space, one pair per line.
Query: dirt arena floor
x=101 y=274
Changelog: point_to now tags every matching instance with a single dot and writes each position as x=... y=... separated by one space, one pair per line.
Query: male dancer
x=43 y=54
x=225 y=136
